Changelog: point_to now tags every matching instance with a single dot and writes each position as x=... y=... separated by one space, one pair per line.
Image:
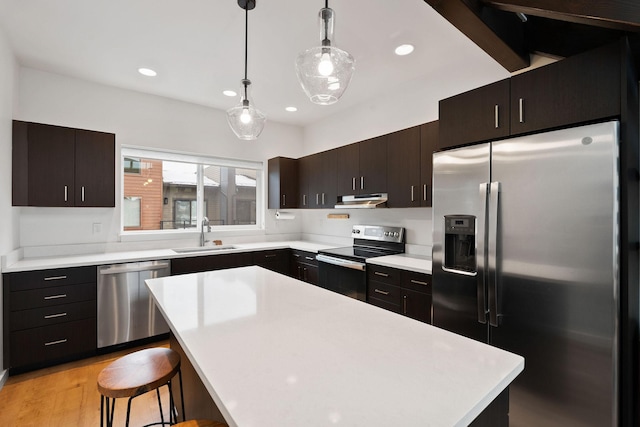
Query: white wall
x=136 y=119
x=9 y=224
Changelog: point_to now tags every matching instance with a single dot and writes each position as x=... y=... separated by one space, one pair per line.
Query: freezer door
x=459 y=177
x=557 y=276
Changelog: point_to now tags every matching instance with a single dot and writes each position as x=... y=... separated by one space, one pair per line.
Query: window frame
x=201 y=160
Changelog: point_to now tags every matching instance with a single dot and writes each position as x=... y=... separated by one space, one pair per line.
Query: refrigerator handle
x=492 y=255
x=481 y=231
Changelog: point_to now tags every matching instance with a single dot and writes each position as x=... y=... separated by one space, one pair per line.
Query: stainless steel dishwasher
x=126 y=311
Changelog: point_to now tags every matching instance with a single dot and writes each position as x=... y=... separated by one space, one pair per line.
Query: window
x=172 y=191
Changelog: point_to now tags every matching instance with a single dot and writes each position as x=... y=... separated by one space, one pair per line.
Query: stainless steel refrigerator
x=525 y=258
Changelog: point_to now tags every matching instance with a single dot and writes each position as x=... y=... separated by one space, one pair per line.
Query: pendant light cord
x=325 y=21
x=246 y=36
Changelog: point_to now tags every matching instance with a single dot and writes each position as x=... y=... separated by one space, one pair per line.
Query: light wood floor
x=67 y=396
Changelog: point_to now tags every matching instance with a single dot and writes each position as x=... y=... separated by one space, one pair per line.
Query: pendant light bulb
x=324 y=72
x=246 y=121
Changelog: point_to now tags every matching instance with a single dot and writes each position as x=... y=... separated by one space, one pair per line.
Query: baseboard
x=4 y=375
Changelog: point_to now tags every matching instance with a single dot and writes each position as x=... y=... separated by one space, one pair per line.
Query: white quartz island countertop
x=275 y=351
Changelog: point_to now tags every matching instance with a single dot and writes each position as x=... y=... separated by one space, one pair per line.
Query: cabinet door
x=577 y=89
x=95 y=164
x=373 y=165
x=328 y=168
x=403 y=174
x=305 y=170
x=315 y=181
x=51 y=165
x=428 y=143
x=416 y=305
x=348 y=169
x=478 y=115
x=283 y=183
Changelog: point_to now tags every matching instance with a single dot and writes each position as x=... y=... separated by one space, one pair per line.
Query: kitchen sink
x=203 y=249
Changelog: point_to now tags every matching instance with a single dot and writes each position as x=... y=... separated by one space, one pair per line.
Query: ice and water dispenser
x=460 y=243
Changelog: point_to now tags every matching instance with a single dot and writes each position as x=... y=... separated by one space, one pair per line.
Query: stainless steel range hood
x=362 y=201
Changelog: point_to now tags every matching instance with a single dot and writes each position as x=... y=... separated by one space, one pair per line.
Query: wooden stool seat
x=201 y=423
x=135 y=374
x=138 y=372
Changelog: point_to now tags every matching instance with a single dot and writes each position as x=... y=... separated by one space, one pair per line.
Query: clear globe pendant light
x=246 y=121
x=325 y=71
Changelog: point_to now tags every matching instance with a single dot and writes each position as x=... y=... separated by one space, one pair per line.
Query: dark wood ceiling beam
x=615 y=14
x=468 y=21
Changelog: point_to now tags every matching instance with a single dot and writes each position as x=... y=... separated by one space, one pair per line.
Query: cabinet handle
x=353 y=184
x=317 y=198
x=424 y=191
x=55 y=342
x=310 y=258
x=66 y=193
x=304 y=200
x=381 y=292
x=496 y=113
x=412 y=199
x=55 y=296
x=521 y=108
x=322 y=199
x=362 y=182
x=270 y=256
x=284 y=200
x=82 y=193
x=55 y=278
x=404 y=304
x=299 y=273
x=296 y=255
x=377 y=273
x=418 y=282
x=53 y=316
x=304 y=274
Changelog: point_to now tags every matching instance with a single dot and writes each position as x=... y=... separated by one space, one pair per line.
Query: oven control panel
x=378 y=232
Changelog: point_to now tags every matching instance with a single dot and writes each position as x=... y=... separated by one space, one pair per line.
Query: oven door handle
x=341 y=262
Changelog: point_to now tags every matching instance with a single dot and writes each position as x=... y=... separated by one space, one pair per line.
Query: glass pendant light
x=245 y=119
x=325 y=71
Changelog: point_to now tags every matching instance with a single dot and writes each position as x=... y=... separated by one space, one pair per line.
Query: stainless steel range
x=343 y=270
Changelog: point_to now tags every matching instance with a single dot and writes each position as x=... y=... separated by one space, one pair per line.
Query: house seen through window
x=168 y=191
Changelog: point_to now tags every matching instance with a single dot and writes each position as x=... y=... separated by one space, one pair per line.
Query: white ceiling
x=197 y=47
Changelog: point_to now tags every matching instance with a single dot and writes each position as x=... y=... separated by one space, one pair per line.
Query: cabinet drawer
x=384 y=304
x=384 y=292
x=49 y=278
x=47 y=297
x=418 y=282
x=388 y=275
x=49 y=343
x=304 y=257
x=46 y=316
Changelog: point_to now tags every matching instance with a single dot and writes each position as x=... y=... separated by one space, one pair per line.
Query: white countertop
x=275 y=351
x=419 y=264
x=404 y=261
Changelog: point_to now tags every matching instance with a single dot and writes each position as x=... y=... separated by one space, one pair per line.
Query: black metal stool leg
x=101 y=411
x=160 y=406
x=110 y=413
x=184 y=415
x=128 y=410
x=173 y=413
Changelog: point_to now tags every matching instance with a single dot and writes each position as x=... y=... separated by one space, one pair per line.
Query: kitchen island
x=274 y=351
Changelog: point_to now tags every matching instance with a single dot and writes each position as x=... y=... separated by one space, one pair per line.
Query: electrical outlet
x=97 y=227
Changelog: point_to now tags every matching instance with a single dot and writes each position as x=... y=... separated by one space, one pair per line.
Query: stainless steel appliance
x=126 y=311
x=343 y=270
x=525 y=257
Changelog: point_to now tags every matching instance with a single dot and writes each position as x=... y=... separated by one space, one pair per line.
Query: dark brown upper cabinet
x=577 y=89
x=322 y=181
x=403 y=173
x=56 y=166
x=362 y=167
x=478 y=115
x=306 y=172
x=283 y=183
x=428 y=143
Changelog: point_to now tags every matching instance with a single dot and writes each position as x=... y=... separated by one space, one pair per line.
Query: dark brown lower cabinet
x=304 y=266
x=275 y=260
x=196 y=264
x=400 y=291
x=49 y=317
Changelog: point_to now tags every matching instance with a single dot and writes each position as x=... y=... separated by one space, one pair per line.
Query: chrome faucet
x=205 y=222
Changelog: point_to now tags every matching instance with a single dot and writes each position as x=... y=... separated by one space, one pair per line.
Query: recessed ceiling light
x=229 y=93
x=291 y=109
x=147 y=72
x=404 y=49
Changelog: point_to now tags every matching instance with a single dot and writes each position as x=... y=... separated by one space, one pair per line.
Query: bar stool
x=135 y=374
x=201 y=423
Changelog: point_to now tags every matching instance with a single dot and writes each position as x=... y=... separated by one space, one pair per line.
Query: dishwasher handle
x=133 y=267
